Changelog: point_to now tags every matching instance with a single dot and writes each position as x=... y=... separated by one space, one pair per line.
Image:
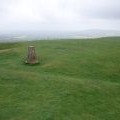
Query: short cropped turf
x=74 y=80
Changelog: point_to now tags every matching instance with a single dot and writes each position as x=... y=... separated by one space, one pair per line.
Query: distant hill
x=37 y=35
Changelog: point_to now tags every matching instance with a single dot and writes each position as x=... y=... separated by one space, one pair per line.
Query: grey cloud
x=107 y=10
x=109 y=14
x=59 y=14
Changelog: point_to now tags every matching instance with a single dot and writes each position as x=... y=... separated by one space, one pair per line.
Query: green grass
x=75 y=80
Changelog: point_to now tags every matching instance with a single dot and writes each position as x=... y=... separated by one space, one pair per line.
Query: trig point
x=31 y=56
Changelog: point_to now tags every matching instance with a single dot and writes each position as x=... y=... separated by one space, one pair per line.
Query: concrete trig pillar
x=31 y=56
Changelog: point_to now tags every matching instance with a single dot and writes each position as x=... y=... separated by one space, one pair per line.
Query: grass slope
x=75 y=80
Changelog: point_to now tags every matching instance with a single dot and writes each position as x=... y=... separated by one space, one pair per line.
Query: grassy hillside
x=75 y=80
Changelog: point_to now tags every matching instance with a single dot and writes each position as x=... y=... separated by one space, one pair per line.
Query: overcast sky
x=60 y=15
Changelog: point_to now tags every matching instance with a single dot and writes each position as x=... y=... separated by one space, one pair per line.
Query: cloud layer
x=59 y=14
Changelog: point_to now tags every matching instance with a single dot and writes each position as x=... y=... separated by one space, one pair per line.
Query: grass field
x=75 y=80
